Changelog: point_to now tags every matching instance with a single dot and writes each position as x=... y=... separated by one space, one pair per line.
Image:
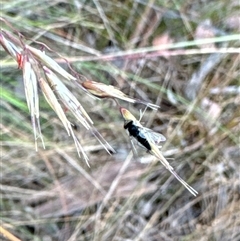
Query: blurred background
x=53 y=195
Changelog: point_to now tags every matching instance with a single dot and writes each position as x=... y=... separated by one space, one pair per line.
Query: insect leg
x=133 y=147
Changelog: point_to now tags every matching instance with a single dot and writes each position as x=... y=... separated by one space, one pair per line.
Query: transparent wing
x=153 y=136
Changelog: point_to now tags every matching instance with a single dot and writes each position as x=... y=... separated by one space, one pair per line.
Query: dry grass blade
x=12 y=49
x=53 y=102
x=72 y=104
x=31 y=93
x=194 y=84
x=157 y=153
x=68 y=99
x=112 y=188
x=101 y=90
x=8 y=235
x=112 y=180
x=110 y=150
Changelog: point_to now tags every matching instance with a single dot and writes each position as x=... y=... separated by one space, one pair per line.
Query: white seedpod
x=52 y=64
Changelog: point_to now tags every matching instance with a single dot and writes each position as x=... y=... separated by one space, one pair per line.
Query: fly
x=150 y=140
x=138 y=134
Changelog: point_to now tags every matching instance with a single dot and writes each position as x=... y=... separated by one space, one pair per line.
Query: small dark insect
x=150 y=140
x=137 y=134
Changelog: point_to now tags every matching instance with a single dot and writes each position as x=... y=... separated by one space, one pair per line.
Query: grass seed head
x=31 y=93
x=53 y=102
x=10 y=48
x=127 y=115
x=101 y=90
x=48 y=61
x=67 y=98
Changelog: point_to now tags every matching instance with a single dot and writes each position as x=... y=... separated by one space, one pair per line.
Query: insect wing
x=156 y=137
x=152 y=136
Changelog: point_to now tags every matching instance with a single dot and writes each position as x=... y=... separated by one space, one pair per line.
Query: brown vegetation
x=181 y=56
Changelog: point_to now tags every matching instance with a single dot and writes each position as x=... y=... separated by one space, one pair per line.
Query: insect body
x=138 y=134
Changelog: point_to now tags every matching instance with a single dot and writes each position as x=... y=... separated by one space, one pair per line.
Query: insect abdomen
x=144 y=142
